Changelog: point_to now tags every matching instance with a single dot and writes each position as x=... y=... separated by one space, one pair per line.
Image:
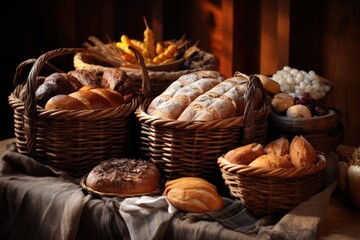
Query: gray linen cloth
x=38 y=202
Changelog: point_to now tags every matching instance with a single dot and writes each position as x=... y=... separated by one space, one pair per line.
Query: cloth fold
x=39 y=202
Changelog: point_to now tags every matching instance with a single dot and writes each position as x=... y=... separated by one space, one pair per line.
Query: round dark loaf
x=124 y=176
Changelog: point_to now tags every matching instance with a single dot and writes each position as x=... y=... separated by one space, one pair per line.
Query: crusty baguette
x=178 y=95
x=225 y=100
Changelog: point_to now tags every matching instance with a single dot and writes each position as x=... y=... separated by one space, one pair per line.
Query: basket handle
x=30 y=112
x=145 y=86
x=249 y=112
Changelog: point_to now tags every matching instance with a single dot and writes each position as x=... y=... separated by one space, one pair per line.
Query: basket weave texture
x=266 y=190
x=70 y=140
x=159 y=80
x=190 y=148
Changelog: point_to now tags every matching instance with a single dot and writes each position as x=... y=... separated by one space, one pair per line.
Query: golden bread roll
x=281 y=102
x=193 y=195
x=65 y=102
x=302 y=153
x=90 y=96
x=184 y=179
x=279 y=147
x=124 y=176
x=245 y=154
x=269 y=84
x=272 y=161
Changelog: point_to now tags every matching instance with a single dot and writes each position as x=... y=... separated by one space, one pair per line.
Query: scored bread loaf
x=245 y=154
x=193 y=194
x=87 y=97
x=180 y=93
x=225 y=100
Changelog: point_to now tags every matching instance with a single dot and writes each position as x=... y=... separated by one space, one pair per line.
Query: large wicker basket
x=266 y=190
x=159 y=79
x=190 y=148
x=70 y=140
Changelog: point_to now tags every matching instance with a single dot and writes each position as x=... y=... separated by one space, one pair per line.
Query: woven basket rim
x=294 y=172
x=79 y=63
x=173 y=123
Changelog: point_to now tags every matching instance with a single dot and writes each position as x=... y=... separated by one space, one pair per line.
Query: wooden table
x=341 y=222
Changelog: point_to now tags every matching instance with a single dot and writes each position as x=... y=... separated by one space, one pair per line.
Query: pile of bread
x=279 y=153
x=203 y=96
x=83 y=89
x=134 y=177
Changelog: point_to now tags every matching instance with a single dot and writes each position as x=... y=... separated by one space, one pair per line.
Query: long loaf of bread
x=182 y=92
x=225 y=100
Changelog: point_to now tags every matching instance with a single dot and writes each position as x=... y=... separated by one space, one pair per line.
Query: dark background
x=324 y=37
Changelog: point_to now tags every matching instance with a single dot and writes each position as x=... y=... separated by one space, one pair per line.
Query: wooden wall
x=252 y=36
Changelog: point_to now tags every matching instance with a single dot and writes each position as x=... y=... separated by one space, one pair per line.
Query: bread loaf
x=124 y=176
x=225 y=100
x=279 y=147
x=245 y=154
x=302 y=153
x=178 y=95
x=192 y=194
x=271 y=86
x=85 y=77
x=119 y=81
x=87 y=97
x=272 y=161
x=54 y=84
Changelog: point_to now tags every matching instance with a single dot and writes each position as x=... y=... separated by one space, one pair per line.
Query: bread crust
x=272 y=161
x=124 y=176
x=245 y=154
x=192 y=194
x=302 y=153
x=279 y=147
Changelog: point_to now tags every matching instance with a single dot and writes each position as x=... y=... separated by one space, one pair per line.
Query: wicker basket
x=266 y=190
x=70 y=140
x=190 y=148
x=159 y=80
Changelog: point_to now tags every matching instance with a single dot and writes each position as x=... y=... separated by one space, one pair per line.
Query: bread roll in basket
x=70 y=140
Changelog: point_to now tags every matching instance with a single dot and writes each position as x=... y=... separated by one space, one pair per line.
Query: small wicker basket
x=266 y=190
x=159 y=79
x=191 y=148
x=70 y=140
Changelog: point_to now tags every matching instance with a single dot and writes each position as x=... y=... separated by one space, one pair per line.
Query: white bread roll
x=192 y=194
x=245 y=154
x=182 y=92
x=279 y=147
x=302 y=153
x=272 y=161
